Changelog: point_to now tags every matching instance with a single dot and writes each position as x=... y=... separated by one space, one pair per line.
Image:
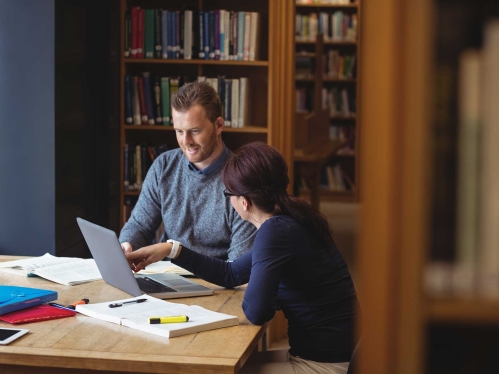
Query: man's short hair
x=198 y=93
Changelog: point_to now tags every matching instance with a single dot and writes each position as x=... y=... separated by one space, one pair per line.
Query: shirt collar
x=214 y=166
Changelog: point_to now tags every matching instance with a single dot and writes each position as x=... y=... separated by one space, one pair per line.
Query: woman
x=294 y=265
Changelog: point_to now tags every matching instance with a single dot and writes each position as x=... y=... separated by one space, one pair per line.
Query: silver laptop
x=113 y=266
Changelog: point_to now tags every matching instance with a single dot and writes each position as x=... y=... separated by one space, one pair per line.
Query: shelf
x=343 y=118
x=338 y=6
x=247 y=129
x=194 y=62
x=131 y=193
x=305 y=54
x=343 y=156
x=458 y=310
x=328 y=80
x=336 y=42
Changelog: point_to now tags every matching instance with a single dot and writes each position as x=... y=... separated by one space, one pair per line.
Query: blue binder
x=14 y=298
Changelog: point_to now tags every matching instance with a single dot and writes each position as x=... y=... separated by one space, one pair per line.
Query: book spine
x=227 y=32
x=140 y=33
x=211 y=28
x=181 y=30
x=165 y=99
x=247 y=35
x=142 y=100
x=255 y=26
x=164 y=34
x=158 y=46
x=157 y=99
x=235 y=103
x=217 y=34
x=221 y=93
x=206 y=35
x=126 y=180
x=243 y=101
x=177 y=33
x=201 y=53
x=138 y=168
x=240 y=35
x=148 y=97
x=233 y=46
x=222 y=34
x=128 y=34
x=128 y=100
x=149 y=33
x=135 y=20
x=137 y=120
x=188 y=34
x=228 y=102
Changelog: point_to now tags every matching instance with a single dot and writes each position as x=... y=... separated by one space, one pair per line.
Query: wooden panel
x=395 y=116
x=379 y=217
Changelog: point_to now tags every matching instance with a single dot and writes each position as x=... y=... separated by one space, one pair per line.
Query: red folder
x=36 y=314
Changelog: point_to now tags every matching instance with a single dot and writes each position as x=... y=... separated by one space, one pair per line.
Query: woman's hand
x=147 y=255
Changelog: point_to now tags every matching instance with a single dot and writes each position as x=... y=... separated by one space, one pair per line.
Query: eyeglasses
x=229 y=194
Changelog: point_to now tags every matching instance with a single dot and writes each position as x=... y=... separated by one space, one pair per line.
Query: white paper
x=136 y=316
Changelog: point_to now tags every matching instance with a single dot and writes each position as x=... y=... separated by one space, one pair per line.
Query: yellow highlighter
x=171 y=319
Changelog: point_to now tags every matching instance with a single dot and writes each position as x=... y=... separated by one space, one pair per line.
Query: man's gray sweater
x=192 y=207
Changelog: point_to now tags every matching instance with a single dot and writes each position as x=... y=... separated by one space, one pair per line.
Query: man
x=184 y=189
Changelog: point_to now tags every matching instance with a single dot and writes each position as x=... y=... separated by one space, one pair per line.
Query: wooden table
x=309 y=165
x=82 y=344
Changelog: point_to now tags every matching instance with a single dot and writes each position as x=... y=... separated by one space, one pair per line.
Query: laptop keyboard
x=149 y=285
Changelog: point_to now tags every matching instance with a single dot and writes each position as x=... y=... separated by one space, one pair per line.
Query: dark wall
x=27 y=182
x=84 y=119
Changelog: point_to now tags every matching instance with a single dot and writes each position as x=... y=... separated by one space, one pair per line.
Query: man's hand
x=147 y=255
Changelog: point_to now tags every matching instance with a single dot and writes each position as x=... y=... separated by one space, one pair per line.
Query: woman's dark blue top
x=288 y=269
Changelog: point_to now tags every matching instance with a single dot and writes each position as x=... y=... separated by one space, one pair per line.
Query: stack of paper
x=63 y=270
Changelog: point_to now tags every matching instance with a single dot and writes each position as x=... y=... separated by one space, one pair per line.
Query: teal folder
x=14 y=298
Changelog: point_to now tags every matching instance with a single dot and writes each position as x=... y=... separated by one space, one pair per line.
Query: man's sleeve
x=242 y=235
x=146 y=215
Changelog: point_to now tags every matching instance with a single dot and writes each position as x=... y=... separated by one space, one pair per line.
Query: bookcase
x=268 y=76
x=339 y=24
x=412 y=110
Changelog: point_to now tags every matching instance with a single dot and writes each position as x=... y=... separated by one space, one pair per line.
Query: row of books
x=320 y=2
x=340 y=101
x=336 y=179
x=469 y=263
x=337 y=26
x=192 y=34
x=138 y=158
x=148 y=98
x=336 y=65
x=347 y=135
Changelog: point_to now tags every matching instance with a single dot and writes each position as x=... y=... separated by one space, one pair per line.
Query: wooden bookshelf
x=269 y=77
x=306 y=47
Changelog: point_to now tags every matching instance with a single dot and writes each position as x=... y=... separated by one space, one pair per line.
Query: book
x=13 y=298
x=468 y=176
x=148 y=97
x=136 y=316
x=68 y=271
x=254 y=44
x=128 y=100
x=36 y=313
x=165 y=267
x=489 y=157
x=149 y=33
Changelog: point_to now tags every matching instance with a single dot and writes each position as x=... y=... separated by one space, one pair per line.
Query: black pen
x=61 y=306
x=115 y=305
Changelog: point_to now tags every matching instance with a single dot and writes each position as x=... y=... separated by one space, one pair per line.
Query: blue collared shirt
x=214 y=166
